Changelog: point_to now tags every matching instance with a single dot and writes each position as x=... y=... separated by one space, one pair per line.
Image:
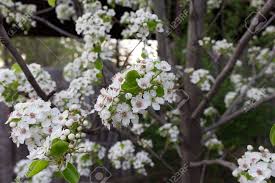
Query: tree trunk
x=191 y=130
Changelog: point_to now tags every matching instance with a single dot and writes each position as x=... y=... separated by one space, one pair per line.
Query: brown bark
x=164 y=48
x=191 y=129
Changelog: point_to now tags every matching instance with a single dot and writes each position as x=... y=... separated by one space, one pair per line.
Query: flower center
x=124 y=114
x=259 y=172
x=32 y=115
x=23 y=131
x=139 y=104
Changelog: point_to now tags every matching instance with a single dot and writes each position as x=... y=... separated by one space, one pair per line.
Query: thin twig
x=129 y=54
x=251 y=83
x=221 y=162
x=231 y=63
x=135 y=140
x=236 y=114
x=45 y=22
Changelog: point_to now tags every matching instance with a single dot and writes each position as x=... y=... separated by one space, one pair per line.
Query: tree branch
x=221 y=162
x=134 y=138
x=45 y=22
x=234 y=115
x=242 y=94
x=231 y=63
x=5 y=40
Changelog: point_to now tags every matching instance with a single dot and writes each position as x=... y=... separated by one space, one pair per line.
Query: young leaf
x=16 y=68
x=130 y=84
x=59 y=148
x=132 y=76
x=99 y=75
x=272 y=135
x=37 y=166
x=52 y=3
x=98 y=64
x=152 y=25
x=160 y=91
x=70 y=174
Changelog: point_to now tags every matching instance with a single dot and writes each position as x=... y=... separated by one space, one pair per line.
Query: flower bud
x=71 y=136
x=12 y=124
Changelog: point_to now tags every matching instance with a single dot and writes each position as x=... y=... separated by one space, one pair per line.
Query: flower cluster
x=15 y=87
x=8 y=86
x=210 y=111
x=256 y=94
x=255 y=166
x=76 y=94
x=169 y=131
x=45 y=130
x=125 y=3
x=21 y=18
x=95 y=26
x=202 y=79
x=256 y=3
x=141 y=160
x=89 y=153
x=220 y=47
x=213 y=4
x=32 y=122
x=42 y=77
x=229 y=98
x=140 y=24
x=269 y=30
x=65 y=10
x=206 y=41
x=122 y=155
x=213 y=144
x=147 y=83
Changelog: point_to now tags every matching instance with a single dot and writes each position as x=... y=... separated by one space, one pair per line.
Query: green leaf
x=144 y=55
x=52 y=3
x=16 y=68
x=10 y=93
x=98 y=64
x=97 y=48
x=70 y=174
x=99 y=75
x=160 y=91
x=130 y=84
x=272 y=135
x=132 y=76
x=152 y=25
x=59 y=148
x=37 y=166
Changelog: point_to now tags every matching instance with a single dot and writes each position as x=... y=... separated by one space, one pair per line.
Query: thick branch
x=5 y=40
x=229 y=118
x=221 y=162
x=231 y=63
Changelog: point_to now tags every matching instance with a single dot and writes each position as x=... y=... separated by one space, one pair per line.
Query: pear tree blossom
x=124 y=156
x=202 y=79
x=147 y=83
x=14 y=86
x=140 y=98
x=255 y=166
